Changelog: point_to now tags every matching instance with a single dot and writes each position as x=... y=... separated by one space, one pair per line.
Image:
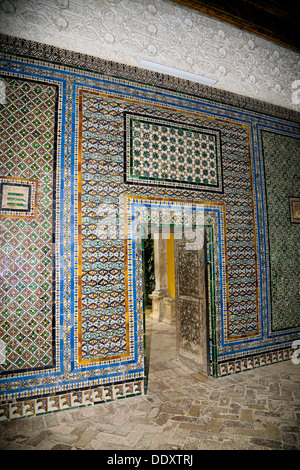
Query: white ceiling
x=127 y=31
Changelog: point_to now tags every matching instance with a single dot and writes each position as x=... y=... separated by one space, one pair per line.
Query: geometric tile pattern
x=252 y=361
x=103 y=145
x=91 y=310
x=243 y=269
x=103 y=326
x=282 y=182
x=27 y=147
x=166 y=153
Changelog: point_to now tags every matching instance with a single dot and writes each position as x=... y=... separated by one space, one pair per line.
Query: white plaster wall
x=158 y=30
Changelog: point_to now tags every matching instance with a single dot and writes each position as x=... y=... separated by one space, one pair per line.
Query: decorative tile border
x=254 y=361
x=70 y=400
x=64 y=57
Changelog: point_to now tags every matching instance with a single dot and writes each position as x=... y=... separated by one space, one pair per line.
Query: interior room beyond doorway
x=175 y=300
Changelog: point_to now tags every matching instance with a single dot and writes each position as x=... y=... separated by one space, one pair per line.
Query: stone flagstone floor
x=183 y=410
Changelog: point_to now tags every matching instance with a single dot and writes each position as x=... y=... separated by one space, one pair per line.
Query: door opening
x=175 y=302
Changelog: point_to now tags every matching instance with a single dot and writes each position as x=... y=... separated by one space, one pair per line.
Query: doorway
x=176 y=301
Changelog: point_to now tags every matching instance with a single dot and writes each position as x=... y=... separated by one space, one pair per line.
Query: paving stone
x=132 y=438
x=153 y=413
x=187 y=419
x=253 y=410
x=236 y=424
x=61 y=447
x=62 y=429
x=143 y=443
x=194 y=411
x=212 y=445
x=169 y=408
x=180 y=435
x=291 y=438
x=273 y=432
x=267 y=444
x=246 y=415
x=52 y=420
x=124 y=429
x=191 y=443
x=9 y=429
x=6 y=445
x=162 y=419
x=24 y=426
x=38 y=438
x=224 y=401
x=78 y=428
x=84 y=439
x=192 y=426
x=62 y=438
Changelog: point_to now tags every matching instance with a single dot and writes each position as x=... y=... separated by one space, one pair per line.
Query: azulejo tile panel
x=107 y=141
x=26 y=218
x=282 y=181
x=94 y=343
x=165 y=153
x=104 y=331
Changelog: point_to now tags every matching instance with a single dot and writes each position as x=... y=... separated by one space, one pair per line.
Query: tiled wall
x=282 y=170
x=27 y=157
x=106 y=152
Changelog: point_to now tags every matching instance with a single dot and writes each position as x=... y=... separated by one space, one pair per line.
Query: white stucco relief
x=129 y=30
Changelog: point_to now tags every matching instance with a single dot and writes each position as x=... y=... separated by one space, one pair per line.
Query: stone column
x=161 y=279
x=162 y=302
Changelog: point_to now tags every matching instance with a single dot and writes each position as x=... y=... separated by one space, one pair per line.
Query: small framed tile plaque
x=18 y=197
x=295 y=210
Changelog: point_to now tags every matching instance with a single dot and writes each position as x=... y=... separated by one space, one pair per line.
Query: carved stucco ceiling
x=161 y=31
x=275 y=20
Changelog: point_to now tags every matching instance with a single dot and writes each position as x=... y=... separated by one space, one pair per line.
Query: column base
x=158 y=306
x=163 y=307
x=169 y=310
